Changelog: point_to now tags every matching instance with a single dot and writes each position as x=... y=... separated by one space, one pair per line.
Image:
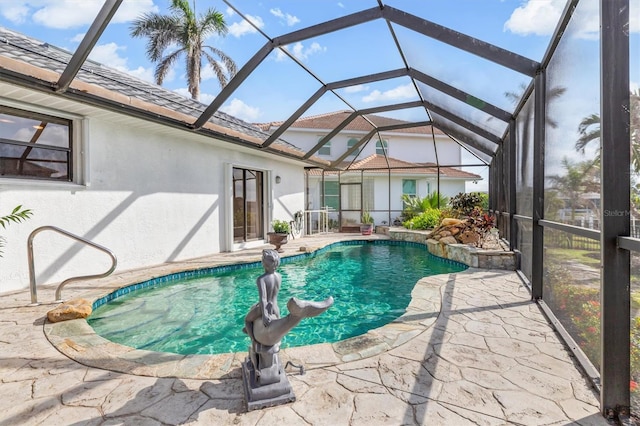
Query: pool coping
x=77 y=340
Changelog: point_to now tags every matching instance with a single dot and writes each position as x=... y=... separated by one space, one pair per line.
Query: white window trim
x=229 y=244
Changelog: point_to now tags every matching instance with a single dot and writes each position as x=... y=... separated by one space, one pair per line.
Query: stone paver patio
x=472 y=349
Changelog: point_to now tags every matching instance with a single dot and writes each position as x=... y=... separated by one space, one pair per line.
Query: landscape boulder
x=72 y=309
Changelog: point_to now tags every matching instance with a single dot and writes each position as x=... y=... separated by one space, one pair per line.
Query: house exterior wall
x=401 y=145
x=151 y=194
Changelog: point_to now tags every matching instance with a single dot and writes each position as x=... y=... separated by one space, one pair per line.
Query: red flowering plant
x=481 y=223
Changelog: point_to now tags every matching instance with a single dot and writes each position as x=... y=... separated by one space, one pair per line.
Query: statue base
x=263 y=396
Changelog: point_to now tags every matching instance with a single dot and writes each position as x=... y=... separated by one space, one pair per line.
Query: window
x=409 y=189
x=331 y=194
x=248 y=210
x=35 y=146
x=351 y=143
x=382 y=147
x=324 y=149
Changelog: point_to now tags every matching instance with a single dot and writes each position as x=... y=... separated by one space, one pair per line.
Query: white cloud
x=341 y=5
x=401 y=92
x=538 y=17
x=300 y=52
x=16 y=13
x=357 y=88
x=239 y=109
x=64 y=14
x=78 y=37
x=207 y=73
x=238 y=29
x=289 y=19
x=108 y=54
x=205 y=98
x=230 y=12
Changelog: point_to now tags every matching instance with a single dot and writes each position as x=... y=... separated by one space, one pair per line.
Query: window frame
x=78 y=168
x=382 y=146
x=326 y=146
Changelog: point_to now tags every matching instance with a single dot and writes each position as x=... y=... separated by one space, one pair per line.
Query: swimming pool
x=202 y=312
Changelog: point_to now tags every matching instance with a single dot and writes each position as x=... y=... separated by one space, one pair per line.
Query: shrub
x=427 y=220
x=414 y=206
x=280 y=226
x=464 y=203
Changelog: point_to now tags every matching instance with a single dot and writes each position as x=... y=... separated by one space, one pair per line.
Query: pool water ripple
x=371 y=285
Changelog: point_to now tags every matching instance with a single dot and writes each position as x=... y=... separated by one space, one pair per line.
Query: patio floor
x=484 y=355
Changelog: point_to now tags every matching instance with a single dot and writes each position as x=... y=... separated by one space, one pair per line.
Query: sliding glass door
x=248 y=208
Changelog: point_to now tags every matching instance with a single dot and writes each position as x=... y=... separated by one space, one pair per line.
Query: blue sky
x=517 y=25
x=279 y=86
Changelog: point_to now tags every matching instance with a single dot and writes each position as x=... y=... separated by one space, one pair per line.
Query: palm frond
x=213 y=22
x=165 y=65
x=16 y=216
x=221 y=70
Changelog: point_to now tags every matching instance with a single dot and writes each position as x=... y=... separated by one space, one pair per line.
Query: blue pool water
x=371 y=283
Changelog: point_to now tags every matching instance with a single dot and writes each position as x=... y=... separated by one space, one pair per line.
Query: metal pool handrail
x=32 y=273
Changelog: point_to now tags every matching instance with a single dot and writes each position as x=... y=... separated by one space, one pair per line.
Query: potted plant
x=367 y=224
x=279 y=235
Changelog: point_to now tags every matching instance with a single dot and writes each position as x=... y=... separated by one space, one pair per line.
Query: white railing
x=317 y=221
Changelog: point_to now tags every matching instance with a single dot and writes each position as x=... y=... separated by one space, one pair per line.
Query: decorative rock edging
x=464 y=253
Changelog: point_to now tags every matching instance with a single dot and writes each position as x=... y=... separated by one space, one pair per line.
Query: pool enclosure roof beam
x=331 y=86
x=355 y=114
x=464 y=123
x=464 y=42
x=368 y=136
x=461 y=95
x=251 y=65
x=415 y=74
x=463 y=138
x=89 y=40
x=469 y=44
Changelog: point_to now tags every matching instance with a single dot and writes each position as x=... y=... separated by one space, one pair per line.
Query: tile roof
x=332 y=120
x=376 y=163
x=18 y=47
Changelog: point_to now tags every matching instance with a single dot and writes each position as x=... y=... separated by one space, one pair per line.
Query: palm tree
x=589 y=129
x=526 y=118
x=578 y=179
x=186 y=32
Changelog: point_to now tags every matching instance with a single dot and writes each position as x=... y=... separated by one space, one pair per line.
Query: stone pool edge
x=77 y=340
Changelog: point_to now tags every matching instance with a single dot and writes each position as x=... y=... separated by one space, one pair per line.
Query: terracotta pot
x=277 y=239
x=366 y=228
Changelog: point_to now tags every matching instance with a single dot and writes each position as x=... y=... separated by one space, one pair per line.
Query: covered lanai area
x=553 y=131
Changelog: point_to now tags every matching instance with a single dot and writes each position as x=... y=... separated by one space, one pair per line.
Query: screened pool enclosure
x=552 y=129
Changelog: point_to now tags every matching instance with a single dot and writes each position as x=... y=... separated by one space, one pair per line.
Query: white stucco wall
x=402 y=146
x=153 y=194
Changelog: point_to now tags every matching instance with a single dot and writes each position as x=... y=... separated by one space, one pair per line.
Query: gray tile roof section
x=20 y=47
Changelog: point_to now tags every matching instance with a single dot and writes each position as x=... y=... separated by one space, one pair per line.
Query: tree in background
x=589 y=129
x=186 y=32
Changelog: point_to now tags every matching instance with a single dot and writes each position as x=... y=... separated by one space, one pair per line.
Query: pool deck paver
x=484 y=354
